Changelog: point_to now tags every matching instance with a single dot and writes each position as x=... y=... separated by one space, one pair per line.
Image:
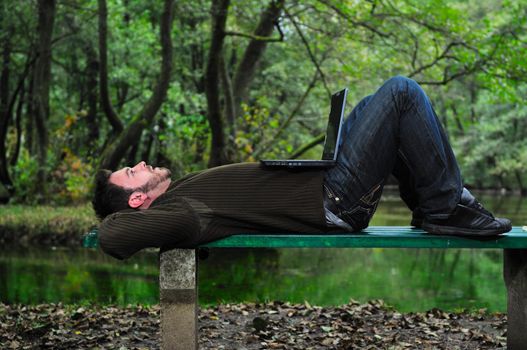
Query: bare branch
x=109 y=112
x=286 y=123
x=304 y=148
x=442 y=56
x=477 y=65
x=246 y=70
x=144 y=118
x=219 y=12
x=310 y=53
x=354 y=22
x=258 y=37
x=410 y=18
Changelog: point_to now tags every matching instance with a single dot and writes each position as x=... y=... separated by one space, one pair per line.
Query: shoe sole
x=459 y=231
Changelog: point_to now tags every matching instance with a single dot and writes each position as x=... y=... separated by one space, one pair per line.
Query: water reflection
x=409 y=279
x=37 y=275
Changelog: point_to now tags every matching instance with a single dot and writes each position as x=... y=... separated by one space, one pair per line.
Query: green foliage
x=23 y=175
x=496 y=148
x=70 y=177
x=74 y=179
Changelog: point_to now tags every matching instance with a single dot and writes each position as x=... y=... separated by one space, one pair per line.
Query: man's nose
x=140 y=165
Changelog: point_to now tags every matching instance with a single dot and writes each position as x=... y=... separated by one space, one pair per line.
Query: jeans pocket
x=360 y=215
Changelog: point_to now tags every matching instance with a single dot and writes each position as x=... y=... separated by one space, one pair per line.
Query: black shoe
x=469 y=218
x=417 y=218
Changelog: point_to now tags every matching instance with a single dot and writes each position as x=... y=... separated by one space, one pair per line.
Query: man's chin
x=164 y=173
x=160 y=169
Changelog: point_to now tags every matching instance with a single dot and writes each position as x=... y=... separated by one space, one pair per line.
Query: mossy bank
x=45 y=225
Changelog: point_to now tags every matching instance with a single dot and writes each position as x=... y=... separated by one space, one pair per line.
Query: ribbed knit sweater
x=218 y=202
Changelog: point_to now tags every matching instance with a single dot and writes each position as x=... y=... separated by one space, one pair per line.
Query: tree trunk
x=219 y=11
x=91 y=92
x=197 y=52
x=145 y=155
x=5 y=113
x=122 y=94
x=519 y=179
x=30 y=118
x=113 y=119
x=200 y=141
x=131 y=158
x=219 y=152
x=41 y=81
x=18 y=126
x=230 y=110
x=160 y=154
x=117 y=150
x=19 y=101
x=457 y=119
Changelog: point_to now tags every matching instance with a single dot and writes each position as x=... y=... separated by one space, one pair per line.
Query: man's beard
x=156 y=180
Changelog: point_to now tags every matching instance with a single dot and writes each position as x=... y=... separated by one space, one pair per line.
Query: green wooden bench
x=179 y=267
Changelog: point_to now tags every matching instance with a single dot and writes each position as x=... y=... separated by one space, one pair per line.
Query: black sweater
x=219 y=202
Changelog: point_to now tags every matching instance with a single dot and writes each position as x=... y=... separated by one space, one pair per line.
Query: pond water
x=408 y=279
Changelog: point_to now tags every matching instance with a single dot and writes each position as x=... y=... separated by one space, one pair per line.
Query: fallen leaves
x=278 y=325
x=274 y=325
x=57 y=326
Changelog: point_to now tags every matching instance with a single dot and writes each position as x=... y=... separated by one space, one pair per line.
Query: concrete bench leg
x=178 y=295
x=515 y=275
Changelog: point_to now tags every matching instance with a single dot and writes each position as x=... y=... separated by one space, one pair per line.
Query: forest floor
x=273 y=325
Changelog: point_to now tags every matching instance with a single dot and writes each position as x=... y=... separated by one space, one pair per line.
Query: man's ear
x=137 y=199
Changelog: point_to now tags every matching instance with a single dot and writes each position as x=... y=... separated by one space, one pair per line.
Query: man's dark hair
x=109 y=198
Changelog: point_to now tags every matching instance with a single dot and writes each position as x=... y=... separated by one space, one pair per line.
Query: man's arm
x=124 y=233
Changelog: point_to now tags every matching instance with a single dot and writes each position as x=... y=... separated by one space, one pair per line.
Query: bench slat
x=372 y=237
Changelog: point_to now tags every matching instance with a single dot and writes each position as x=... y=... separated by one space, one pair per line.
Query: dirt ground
x=274 y=325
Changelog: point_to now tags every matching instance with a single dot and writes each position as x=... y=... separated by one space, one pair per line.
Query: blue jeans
x=394 y=131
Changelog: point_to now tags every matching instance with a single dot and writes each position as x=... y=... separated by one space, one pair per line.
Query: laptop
x=331 y=142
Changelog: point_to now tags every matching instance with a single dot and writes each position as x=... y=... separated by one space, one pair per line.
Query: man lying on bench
x=394 y=131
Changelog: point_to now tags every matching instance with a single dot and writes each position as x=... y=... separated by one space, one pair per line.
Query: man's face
x=140 y=176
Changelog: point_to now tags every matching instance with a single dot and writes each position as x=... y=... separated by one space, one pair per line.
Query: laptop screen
x=336 y=115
